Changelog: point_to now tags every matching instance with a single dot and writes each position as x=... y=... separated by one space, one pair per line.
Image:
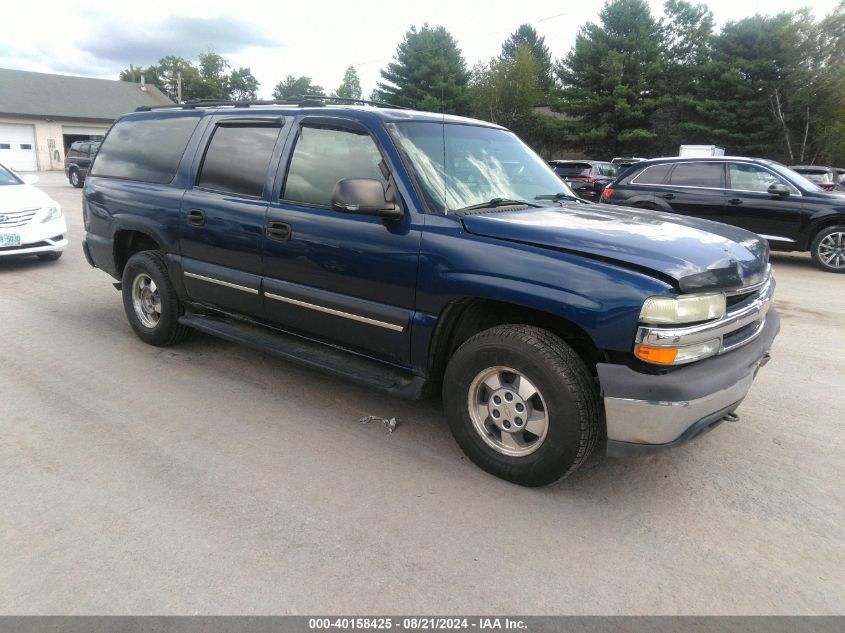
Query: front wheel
x=149 y=300
x=521 y=404
x=828 y=249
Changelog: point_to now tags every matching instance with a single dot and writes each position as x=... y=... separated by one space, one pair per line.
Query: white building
x=42 y=114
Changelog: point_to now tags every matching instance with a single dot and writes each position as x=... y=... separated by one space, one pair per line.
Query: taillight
x=586 y=178
x=605 y=195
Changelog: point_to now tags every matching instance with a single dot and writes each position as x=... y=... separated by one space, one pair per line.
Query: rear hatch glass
x=573 y=169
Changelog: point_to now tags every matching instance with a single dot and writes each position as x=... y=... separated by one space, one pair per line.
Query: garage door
x=76 y=130
x=17 y=147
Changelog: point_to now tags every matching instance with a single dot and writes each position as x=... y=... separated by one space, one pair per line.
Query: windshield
x=458 y=166
x=7 y=177
x=815 y=176
x=794 y=177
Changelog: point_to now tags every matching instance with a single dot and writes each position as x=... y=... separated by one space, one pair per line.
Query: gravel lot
x=212 y=479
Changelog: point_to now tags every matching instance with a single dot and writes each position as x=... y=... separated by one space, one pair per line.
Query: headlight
x=683 y=309
x=53 y=213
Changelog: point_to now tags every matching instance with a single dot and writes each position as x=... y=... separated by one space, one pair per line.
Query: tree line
x=633 y=83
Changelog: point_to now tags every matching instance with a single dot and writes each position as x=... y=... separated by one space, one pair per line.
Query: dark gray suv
x=78 y=160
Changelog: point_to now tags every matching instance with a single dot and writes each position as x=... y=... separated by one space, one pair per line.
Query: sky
x=318 y=39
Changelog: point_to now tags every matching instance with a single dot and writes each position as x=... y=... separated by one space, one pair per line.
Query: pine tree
x=429 y=73
x=526 y=35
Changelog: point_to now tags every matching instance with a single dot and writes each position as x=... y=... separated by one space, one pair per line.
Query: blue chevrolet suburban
x=424 y=254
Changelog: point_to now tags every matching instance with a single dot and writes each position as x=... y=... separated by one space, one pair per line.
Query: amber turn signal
x=661 y=355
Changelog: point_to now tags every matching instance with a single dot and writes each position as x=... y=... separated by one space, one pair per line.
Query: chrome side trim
x=776 y=238
x=332 y=311
x=220 y=282
x=795 y=190
x=661 y=336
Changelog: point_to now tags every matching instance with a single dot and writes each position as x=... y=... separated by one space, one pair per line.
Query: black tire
x=49 y=257
x=568 y=391
x=75 y=179
x=820 y=249
x=167 y=330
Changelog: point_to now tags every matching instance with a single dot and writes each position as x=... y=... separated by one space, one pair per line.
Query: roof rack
x=302 y=101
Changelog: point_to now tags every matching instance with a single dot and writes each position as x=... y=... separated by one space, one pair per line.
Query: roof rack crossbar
x=303 y=101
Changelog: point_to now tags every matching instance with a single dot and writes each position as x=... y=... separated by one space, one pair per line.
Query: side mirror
x=364 y=196
x=779 y=189
x=29 y=179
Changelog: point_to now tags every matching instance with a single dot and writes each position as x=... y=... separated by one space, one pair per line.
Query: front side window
x=457 y=165
x=697 y=175
x=323 y=156
x=237 y=160
x=748 y=177
x=145 y=148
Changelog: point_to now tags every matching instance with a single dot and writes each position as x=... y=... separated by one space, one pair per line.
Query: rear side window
x=697 y=175
x=145 y=149
x=653 y=175
x=237 y=160
x=324 y=156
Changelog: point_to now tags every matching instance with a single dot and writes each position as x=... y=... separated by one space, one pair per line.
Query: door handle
x=278 y=231
x=668 y=196
x=734 y=201
x=196 y=217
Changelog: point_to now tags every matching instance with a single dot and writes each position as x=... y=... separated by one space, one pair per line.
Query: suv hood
x=696 y=254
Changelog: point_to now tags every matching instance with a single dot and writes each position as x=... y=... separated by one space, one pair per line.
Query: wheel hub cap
x=832 y=250
x=146 y=300
x=508 y=411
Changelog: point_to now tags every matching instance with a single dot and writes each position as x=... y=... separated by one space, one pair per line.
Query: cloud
x=174 y=35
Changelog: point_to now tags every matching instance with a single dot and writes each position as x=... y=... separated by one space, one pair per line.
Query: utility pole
x=179 y=87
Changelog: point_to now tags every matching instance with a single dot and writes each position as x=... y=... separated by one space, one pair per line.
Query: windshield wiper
x=497 y=202
x=558 y=196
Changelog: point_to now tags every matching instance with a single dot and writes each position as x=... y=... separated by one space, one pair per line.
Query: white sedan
x=31 y=222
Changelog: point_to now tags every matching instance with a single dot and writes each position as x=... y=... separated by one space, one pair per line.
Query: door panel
x=695 y=189
x=224 y=214
x=345 y=278
x=750 y=206
x=224 y=249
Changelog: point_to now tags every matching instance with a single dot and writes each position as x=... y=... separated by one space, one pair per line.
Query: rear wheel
x=521 y=404
x=828 y=249
x=74 y=178
x=150 y=302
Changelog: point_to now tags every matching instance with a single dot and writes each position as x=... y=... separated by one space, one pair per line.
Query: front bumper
x=649 y=413
x=37 y=237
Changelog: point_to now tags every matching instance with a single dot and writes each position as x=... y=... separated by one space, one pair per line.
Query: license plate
x=10 y=239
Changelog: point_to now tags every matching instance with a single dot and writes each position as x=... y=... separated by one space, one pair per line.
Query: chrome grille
x=12 y=219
